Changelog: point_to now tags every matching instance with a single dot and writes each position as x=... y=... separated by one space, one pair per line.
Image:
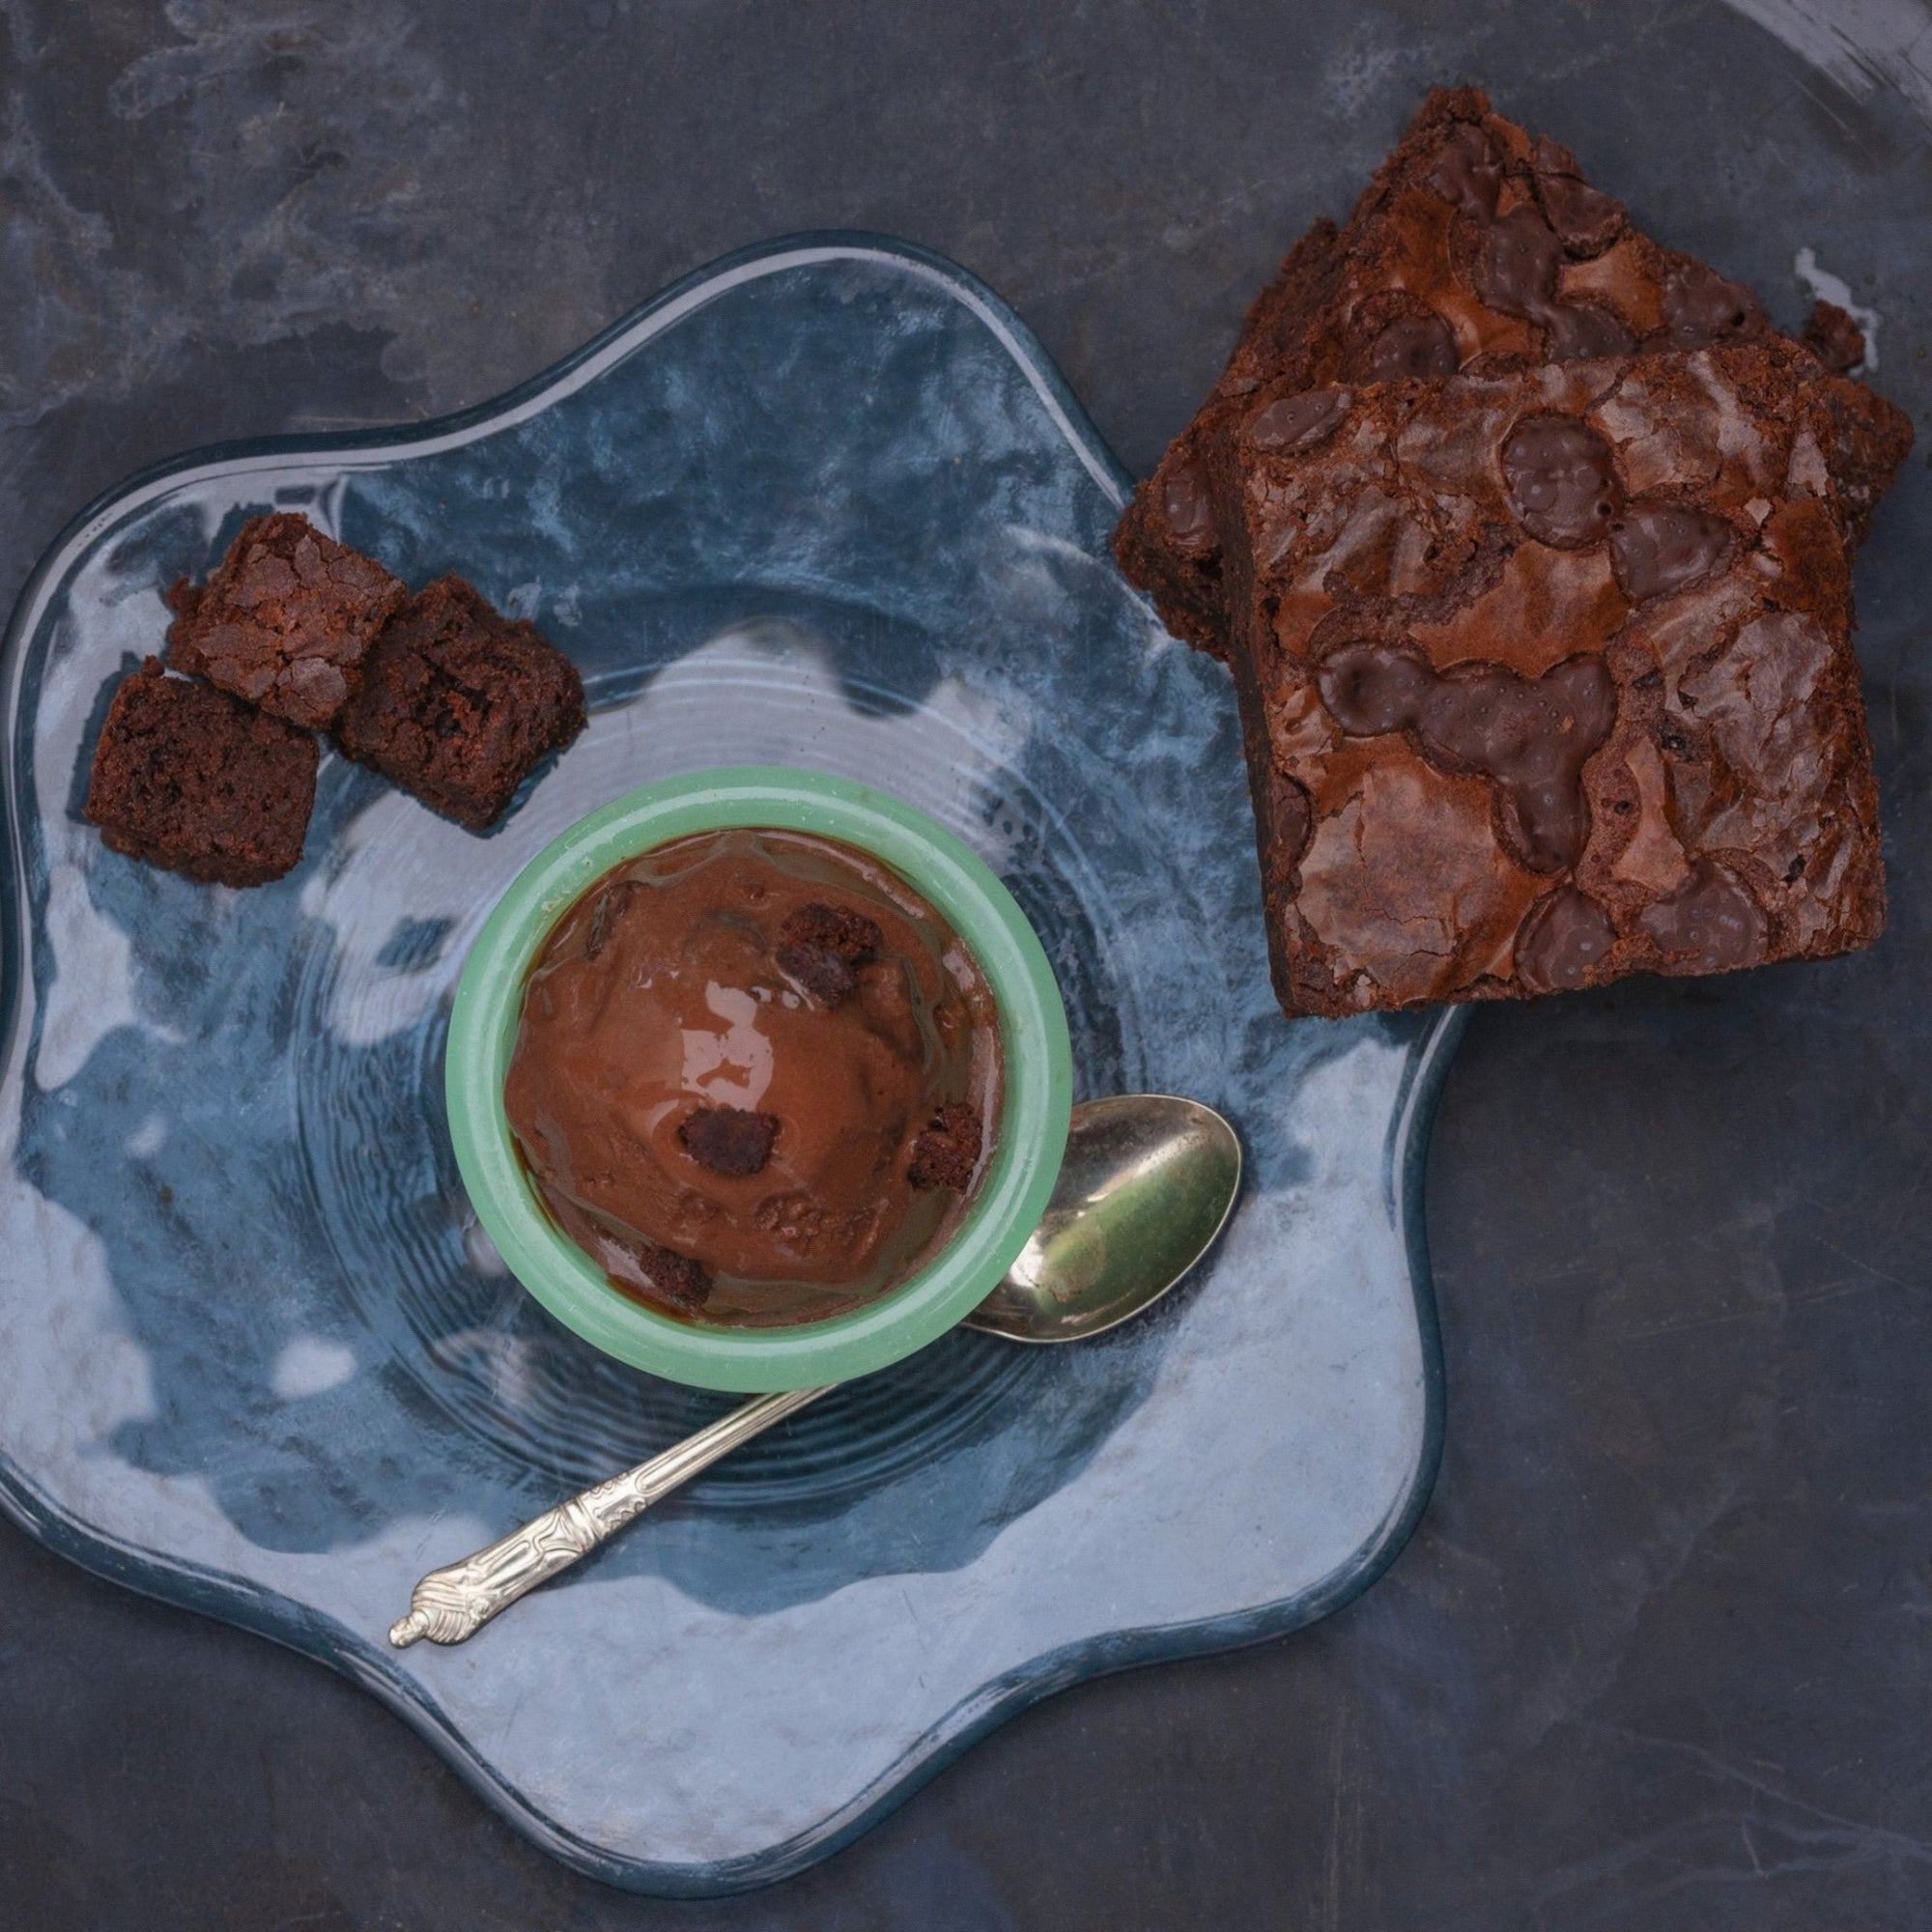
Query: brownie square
x=459 y=703
x=285 y=621
x=1545 y=677
x=187 y=777
x=1475 y=244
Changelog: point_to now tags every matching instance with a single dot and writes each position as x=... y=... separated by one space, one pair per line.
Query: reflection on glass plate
x=828 y=505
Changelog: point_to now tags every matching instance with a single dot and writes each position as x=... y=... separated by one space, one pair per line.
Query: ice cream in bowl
x=757 y=1079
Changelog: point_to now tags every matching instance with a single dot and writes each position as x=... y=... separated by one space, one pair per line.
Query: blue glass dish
x=826 y=503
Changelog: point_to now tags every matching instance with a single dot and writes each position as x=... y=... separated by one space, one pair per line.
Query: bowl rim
x=1034 y=1115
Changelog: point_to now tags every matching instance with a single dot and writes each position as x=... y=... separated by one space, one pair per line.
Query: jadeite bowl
x=1032 y=1120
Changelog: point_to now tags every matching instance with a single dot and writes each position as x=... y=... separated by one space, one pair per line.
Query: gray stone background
x=1661 y=1653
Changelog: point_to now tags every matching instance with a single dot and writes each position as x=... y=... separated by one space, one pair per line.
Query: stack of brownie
x=212 y=772
x=1528 y=543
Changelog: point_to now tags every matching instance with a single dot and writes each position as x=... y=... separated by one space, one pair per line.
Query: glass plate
x=826 y=503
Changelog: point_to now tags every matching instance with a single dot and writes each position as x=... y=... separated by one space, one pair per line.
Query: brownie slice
x=187 y=777
x=947 y=1151
x=1545 y=677
x=285 y=621
x=1475 y=241
x=460 y=704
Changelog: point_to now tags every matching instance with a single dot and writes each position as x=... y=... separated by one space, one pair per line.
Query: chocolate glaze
x=1584 y=218
x=1299 y=422
x=1468 y=171
x=1713 y=921
x=1188 y=507
x=681 y=1095
x=1565 y=940
x=1415 y=344
x=1659 y=548
x=1583 y=331
x=1701 y=306
x=1530 y=736
x=1562 y=480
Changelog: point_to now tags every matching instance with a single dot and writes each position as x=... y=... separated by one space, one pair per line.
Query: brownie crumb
x=459 y=704
x=1835 y=338
x=677 y=1279
x=822 y=947
x=947 y=1151
x=729 y=1140
x=188 y=779
x=285 y=621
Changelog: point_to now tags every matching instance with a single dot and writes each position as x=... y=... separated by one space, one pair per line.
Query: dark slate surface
x=1659 y=1653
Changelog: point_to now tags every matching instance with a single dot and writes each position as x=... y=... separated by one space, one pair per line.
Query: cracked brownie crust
x=459 y=704
x=1546 y=678
x=1476 y=245
x=285 y=621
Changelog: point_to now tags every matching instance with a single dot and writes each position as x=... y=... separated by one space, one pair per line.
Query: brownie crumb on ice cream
x=764 y=1052
x=823 y=946
x=728 y=1140
x=675 y=1279
x=947 y=1151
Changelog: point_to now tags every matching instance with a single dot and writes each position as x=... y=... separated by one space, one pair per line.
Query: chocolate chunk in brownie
x=1475 y=241
x=1546 y=678
x=189 y=778
x=729 y=1140
x=823 y=946
x=285 y=621
x=947 y=1151
x=459 y=704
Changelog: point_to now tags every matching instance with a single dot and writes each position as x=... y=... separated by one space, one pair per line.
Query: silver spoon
x=1146 y=1184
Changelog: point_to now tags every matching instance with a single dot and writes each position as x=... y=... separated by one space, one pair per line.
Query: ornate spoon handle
x=457 y=1601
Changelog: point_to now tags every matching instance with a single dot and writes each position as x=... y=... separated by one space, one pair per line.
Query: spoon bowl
x=1146 y=1184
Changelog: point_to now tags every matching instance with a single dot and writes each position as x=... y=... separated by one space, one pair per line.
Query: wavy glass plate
x=824 y=504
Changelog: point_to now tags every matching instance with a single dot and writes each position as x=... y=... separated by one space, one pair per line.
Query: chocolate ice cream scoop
x=729 y=1050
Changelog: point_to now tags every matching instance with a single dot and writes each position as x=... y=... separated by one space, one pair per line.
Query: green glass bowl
x=1033 y=1121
